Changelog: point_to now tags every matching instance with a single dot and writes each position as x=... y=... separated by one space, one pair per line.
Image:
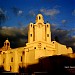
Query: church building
x=39 y=45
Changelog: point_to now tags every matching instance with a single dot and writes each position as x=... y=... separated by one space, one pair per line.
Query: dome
x=7 y=41
x=39 y=17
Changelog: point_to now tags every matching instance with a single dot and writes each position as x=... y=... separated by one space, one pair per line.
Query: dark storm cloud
x=64 y=36
x=59 y=33
x=17 y=36
x=70 y=41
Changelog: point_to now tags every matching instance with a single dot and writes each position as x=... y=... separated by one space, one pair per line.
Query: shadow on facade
x=59 y=65
x=1 y=69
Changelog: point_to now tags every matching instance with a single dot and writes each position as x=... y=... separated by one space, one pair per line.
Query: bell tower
x=6 y=45
x=39 y=39
x=39 y=31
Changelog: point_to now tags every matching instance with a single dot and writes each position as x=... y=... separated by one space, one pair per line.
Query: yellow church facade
x=39 y=45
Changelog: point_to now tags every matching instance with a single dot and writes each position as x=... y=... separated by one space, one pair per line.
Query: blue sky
x=59 y=13
x=63 y=10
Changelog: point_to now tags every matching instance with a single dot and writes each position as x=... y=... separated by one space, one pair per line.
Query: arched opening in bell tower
x=39 y=17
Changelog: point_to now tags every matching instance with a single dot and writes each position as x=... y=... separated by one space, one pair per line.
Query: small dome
x=7 y=41
x=39 y=17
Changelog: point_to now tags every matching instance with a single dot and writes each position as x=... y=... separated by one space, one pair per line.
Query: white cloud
x=17 y=11
x=20 y=12
x=50 y=12
x=53 y=25
x=32 y=13
x=64 y=21
x=73 y=13
x=5 y=27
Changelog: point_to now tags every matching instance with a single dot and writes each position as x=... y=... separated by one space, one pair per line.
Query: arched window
x=34 y=47
x=12 y=59
x=7 y=44
x=31 y=25
x=23 y=52
x=44 y=47
x=53 y=42
x=47 y=35
x=31 y=35
x=21 y=58
x=3 y=60
x=10 y=68
x=47 y=25
x=39 y=17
